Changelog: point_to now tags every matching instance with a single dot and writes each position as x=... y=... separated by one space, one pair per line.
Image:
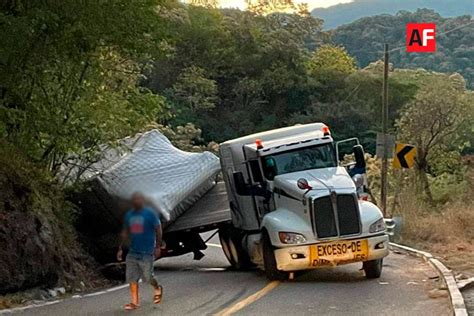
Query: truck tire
x=231 y=242
x=373 y=268
x=225 y=248
x=269 y=261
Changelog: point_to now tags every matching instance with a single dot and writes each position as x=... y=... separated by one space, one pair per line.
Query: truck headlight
x=378 y=226
x=291 y=238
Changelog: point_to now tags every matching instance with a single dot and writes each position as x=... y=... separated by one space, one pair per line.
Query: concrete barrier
x=455 y=297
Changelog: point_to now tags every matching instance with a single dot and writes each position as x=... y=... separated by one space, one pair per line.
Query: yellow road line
x=249 y=300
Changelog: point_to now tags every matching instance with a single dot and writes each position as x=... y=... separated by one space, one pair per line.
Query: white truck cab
x=294 y=207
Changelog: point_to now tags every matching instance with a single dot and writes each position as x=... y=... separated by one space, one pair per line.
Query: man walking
x=143 y=227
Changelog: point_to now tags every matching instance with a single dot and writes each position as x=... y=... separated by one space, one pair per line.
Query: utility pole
x=384 y=188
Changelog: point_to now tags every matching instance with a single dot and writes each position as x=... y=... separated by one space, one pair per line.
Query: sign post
x=382 y=142
x=384 y=186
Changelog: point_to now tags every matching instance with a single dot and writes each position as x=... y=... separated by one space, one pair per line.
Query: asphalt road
x=208 y=287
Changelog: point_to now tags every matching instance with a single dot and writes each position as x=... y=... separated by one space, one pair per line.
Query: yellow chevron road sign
x=404 y=156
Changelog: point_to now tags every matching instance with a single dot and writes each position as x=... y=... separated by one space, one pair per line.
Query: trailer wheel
x=373 y=268
x=269 y=261
x=231 y=242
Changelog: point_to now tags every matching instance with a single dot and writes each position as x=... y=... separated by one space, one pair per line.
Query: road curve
x=208 y=287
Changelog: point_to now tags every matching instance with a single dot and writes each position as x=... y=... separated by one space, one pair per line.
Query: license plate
x=339 y=252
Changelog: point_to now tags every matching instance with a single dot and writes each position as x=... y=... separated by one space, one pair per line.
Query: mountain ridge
x=346 y=13
x=364 y=39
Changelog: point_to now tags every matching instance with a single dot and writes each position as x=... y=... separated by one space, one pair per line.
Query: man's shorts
x=139 y=266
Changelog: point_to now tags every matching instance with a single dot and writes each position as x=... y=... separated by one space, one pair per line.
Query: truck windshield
x=315 y=157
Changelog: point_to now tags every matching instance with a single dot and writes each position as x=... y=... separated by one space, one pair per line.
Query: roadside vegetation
x=445 y=230
x=444 y=225
x=79 y=75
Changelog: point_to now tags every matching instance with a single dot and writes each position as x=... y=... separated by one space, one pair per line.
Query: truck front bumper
x=321 y=254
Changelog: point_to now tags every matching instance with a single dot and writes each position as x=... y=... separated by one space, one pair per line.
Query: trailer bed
x=207 y=213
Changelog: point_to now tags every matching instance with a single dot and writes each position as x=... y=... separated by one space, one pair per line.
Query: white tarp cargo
x=170 y=179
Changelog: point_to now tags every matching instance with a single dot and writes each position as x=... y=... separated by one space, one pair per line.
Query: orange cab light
x=326 y=131
x=258 y=143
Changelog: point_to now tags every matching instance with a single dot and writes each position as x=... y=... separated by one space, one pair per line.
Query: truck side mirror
x=358 y=180
x=270 y=168
x=359 y=156
x=239 y=182
x=343 y=148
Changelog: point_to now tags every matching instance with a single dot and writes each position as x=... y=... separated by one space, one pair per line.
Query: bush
x=449 y=221
x=447 y=187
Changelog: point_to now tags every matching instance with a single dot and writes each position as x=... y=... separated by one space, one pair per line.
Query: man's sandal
x=131 y=307
x=157 y=297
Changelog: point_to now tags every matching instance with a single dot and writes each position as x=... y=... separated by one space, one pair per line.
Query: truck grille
x=324 y=222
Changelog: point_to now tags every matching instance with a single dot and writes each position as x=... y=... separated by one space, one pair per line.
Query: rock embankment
x=38 y=246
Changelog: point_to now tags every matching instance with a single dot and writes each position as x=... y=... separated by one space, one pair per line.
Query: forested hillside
x=76 y=77
x=346 y=13
x=364 y=39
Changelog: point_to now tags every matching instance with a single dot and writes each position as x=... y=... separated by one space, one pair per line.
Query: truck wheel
x=225 y=248
x=231 y=242
x=373 y=268
x=269 y=261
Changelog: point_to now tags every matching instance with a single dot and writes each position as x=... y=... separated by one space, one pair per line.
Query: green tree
x=330 y=58
x=258 y=65
x=194 y=90
x=437 y=121
x=70 y=75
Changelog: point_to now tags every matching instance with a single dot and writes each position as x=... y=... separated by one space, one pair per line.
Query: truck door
x=261 y=194
x=355 y=166
x=262 y=197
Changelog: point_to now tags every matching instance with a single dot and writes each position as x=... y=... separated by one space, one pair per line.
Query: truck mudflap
x=331 y=253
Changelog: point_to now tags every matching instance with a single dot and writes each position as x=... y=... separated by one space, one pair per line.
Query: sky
x=311 y=3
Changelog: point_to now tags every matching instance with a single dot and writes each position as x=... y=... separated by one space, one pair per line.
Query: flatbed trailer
x=210 y=212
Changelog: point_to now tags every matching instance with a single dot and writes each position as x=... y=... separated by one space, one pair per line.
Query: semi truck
x=286 y=201
x=291 y=204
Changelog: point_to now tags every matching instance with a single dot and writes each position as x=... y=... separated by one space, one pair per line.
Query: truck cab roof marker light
x=258 y=143
x=326 y=131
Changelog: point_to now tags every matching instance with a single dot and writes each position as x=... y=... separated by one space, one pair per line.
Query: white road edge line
x=23 y=308
x=456 y=300
x=74 y=297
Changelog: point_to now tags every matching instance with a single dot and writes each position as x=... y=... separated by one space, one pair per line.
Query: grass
x=445 y=230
